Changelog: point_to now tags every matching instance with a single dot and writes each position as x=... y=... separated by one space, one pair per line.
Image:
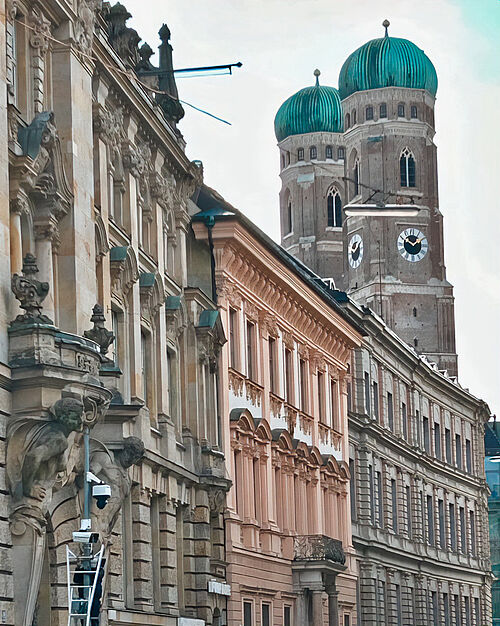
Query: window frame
x=329 y=152
x=407 y=169
x=333 y=207
x=300 y=154
x=369 y=113
x=313 y=153
x=251 y=351
x=382 y=111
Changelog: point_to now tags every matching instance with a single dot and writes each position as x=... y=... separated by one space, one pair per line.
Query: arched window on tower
x=413 y=112
x=313 y=152
x=288 y=218
x=341 y=153
x=353 y=117
x=328 y=152
x=334 y=208
x=401 y=110
x=283 y=160
x=369 y=113
x=407 y=168
x=300 y=154
x=355 y=177
x=383 y=110
x=347 y=121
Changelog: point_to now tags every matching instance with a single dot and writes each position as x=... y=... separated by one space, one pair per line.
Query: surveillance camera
x=85 y=537
x=101 y=493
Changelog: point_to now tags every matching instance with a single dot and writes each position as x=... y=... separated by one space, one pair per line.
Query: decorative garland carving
x=236 y=381
x=253 y=392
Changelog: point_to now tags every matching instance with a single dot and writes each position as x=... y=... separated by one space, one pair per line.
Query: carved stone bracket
x=31 y=293
x=236 y=382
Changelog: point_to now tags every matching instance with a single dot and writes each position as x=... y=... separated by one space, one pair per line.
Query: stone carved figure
x=37 y=450
x=112 y=469
x=30 y=292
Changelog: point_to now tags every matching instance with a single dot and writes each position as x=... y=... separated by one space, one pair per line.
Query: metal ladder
x=81 y=596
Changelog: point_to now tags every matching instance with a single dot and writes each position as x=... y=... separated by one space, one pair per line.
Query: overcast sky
x=280 y=43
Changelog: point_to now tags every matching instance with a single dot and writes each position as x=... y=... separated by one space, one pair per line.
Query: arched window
x=300 y=154
x=355 y=176
x=288 y=158
x=347 y=121
x=334 y=208
x=288 y=218
x=354 y=117
x=383 y=110
x=413 y=112
x=328 y=152
x=407 y=168
x=283 y=160
x=369 y=113
x=401 y=110
x=415 y=342
x=341 y=153
x=313 y=153
x=414 y=311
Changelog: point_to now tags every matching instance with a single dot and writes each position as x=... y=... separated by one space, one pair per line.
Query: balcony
x=318 y=548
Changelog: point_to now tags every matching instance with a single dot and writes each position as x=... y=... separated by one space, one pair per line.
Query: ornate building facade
x=284 y=371
x=110 y=338
x=419 y=496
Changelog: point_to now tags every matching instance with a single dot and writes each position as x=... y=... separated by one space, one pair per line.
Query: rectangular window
x=390 y=411
x=472 y=525
x=349 y=397
x=146 y=368
x=409 y=528
x=468 y=616
x=114 y=348
x=437 y=440
x=447 y=444
x=463 y=530
x=430 y=521
x=446 y=607
x=372 y=495
x=399 y=612
x=247 y=614
x=375 y=400
x=458 y=613
x=367 y=393
x=303 y=386
x=458 y=451
x=427 y=442
x=287 y=616
x=380 y=499
x=453 y=527
x=477 y=611
x=401 y=110
x=352 y=490
x=288 y=376
x=442 y=527
x=272 y=365
x=347 y=620
x=468 y=456
x=434 y=607
x=394 y=499
x=383 y=110
x=404 y=419
x=233 y=339
x=251 y=350
x=413 y=112
x=321 y=396
x=334 y=404
x=266 y=614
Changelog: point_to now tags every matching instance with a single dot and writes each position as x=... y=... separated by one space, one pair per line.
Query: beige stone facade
x=95 y=185
x=284 y=371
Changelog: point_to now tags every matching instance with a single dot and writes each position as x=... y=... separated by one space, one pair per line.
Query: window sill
x=288 y=235
x=334 y=229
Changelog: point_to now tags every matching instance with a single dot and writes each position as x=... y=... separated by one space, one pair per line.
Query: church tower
x=387 y=89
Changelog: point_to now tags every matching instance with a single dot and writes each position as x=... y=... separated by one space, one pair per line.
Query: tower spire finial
x=317 y=74
x=386 y=25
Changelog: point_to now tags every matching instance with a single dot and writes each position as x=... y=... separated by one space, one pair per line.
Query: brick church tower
x=372 y=142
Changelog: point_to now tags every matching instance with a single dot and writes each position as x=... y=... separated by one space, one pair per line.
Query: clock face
x=412 y=245
x=355 y=251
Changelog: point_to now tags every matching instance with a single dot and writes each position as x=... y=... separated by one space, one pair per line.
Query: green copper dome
x=387 y=62
x=313 y=109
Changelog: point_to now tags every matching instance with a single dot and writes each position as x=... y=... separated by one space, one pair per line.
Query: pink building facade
x=284 y=386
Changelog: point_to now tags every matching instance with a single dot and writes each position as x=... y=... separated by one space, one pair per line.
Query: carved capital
x=84 y=24
x=40 y=32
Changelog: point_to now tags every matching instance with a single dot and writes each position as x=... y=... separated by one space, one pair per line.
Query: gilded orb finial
x=386 y=25
x=317 y=74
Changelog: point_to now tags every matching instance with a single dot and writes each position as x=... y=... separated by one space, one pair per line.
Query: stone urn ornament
x=30 y=292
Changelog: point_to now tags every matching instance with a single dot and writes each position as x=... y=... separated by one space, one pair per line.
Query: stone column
x=45 y=237
x=16 y=242
x=333 y=605
x=368 y=592
x=317 y=603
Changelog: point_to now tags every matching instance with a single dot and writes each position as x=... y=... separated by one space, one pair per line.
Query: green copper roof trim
x=118 y=253
x=387 y=62
x=147 y=279
x=310 y=110
x=208 y=318
x=173 y=303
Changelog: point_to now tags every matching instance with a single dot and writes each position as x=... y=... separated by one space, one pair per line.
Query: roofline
x=308 y=276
